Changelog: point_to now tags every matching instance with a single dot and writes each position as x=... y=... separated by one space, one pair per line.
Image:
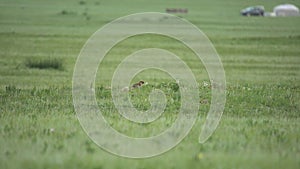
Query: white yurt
x=286 y=10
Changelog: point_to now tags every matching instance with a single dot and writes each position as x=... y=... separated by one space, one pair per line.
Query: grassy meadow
x=39 y=44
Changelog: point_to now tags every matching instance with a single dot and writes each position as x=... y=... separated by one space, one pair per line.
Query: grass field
x=39 y=44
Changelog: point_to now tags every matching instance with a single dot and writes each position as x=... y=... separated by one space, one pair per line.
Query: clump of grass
x=41 y=63
x=65 y=12
x=82 y=2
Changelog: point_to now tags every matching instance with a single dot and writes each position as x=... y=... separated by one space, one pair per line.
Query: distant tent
x=286 y=10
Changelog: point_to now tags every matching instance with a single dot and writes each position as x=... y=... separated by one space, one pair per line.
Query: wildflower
x=205 y=84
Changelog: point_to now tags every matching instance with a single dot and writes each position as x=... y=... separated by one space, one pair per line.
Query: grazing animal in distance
x=134 y=86
x=138 y=84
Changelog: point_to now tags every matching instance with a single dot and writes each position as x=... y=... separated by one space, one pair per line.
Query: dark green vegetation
x=38 y=127
x=50 y=63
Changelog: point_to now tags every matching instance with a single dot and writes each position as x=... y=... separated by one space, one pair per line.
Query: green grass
x=38 y=125
x=50 y=63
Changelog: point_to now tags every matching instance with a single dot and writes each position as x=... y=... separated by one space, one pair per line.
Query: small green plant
x=64 y=12
x=40 y=63
x=82 y=2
